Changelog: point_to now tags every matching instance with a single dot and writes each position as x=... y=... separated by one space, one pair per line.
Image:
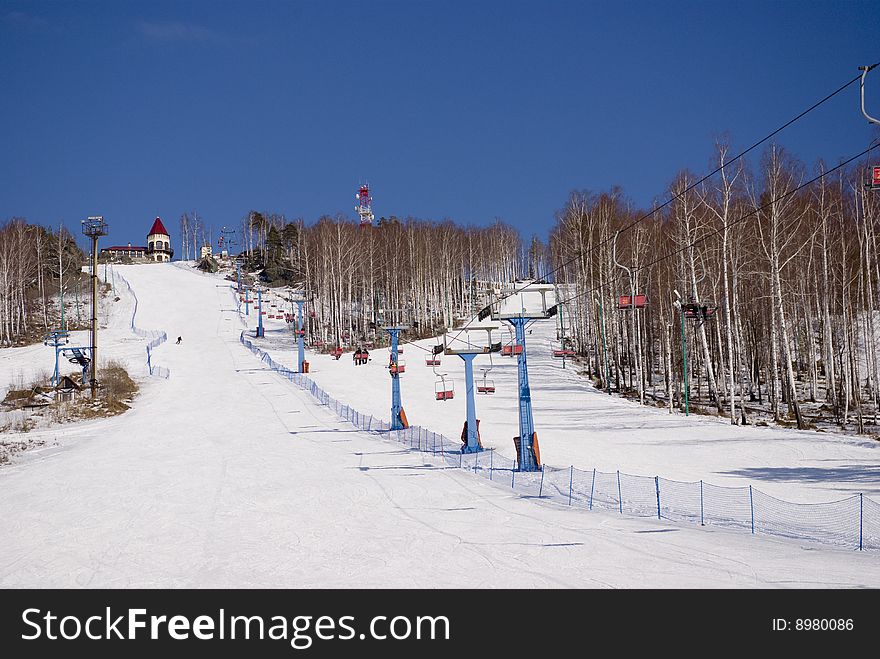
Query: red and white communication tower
x=365 y=205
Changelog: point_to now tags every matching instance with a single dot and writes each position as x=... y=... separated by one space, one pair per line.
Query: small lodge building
x=158 y=248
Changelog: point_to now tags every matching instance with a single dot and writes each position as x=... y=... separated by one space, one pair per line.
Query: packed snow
x=227 y=475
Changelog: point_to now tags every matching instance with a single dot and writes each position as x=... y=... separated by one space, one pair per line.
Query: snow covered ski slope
x=227 y=475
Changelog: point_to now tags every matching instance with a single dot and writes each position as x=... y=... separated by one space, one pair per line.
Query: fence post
x=592 y=487
x=541 y=487
x=512 y=477
x=657 y=484
x=702 y=519
x=476 y=461
x=491 y=456
x=570 y=479
x=861 y=514
x=460 y=458
x=619 y=495
x=752 y=506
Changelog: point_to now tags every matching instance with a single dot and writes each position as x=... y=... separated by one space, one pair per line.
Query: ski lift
x=444 y=388
x=511 y=349
x=433 y=358
x=699 y=313
x=398 y=367
x=626 y=302
x=873 y=182
x=487 y=386
x=563 y=353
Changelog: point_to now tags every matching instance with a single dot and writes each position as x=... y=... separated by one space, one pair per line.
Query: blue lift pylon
x=54 y=339
x=398 y=416
x=300 y=336
x=467 y=352
x=260 y=331
x=529 y=461
x=515 y=309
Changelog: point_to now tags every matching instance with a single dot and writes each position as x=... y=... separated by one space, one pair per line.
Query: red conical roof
x=158 y=227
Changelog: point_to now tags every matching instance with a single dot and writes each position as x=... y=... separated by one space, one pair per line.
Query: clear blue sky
x=466 y=110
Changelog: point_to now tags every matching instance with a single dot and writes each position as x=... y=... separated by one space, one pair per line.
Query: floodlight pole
x=260 y=331
x=604 y=347
x=94 y=227
x=684 y=350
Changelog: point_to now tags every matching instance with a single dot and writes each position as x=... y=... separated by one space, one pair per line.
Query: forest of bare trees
x=788 y=274
x=34 y=262
x=357 y=278
x=792 y=277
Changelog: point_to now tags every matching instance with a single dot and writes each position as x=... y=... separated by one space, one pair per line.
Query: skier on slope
x=179 y=339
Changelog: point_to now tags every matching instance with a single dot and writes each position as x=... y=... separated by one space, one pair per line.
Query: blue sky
x=461 y=110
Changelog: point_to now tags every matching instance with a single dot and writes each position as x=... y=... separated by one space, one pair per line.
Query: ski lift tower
x=521 y=307
x=94 y=227
x=226 y=241
x=260 y=331
x=365 y=205
x=395 y=366
x=299 y=299
x=468 y=351
x=58 y=339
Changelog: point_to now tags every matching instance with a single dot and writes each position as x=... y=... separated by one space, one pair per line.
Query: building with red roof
x=158 y=247
x=159 y=243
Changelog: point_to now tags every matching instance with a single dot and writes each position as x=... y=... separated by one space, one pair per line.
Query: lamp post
x=94 y=228
x=684 y=352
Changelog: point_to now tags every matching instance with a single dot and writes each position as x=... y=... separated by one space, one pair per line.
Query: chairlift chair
x=563 y=353
x=511 y=349
x=433 y=358
x=627 y=302
x=700 y=313
x=487 y=386
x=444 y=388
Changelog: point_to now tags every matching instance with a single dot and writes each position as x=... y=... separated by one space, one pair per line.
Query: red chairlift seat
x=432 y=360
x=487 y=387
x=444 y=390
x=697 y=312
x=626 y=302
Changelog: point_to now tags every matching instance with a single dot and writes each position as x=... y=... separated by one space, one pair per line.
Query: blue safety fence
x=157 y=337
x=852 y=522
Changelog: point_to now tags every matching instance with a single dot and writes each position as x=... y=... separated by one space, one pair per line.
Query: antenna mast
x=365 y=205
